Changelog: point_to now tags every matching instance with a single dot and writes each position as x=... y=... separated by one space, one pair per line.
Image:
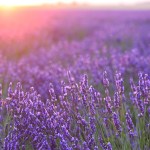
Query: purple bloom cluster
x=90 y=107
x=71 y=120
x=92 y=47
x=117 y=122
x=130 y=125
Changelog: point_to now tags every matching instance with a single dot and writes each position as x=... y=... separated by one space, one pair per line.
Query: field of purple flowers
x=80 y=83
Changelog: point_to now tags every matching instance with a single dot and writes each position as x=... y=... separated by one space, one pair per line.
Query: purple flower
x=116 y=100
x=117 y=122
x=130 y=125
x=108 y=104
x=109 y=146
x=105 y=80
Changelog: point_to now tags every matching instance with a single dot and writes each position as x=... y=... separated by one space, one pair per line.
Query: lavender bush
x=79 y=118
x=80 y=85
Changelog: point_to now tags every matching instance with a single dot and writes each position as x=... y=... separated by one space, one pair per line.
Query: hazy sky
x=102 y=1
x=35 y=2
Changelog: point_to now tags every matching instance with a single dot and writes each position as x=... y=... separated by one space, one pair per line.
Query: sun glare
x=14 y=3
x=8 y=3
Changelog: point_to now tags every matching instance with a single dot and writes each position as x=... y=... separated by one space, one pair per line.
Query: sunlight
x=14 y=3
x=8 y=3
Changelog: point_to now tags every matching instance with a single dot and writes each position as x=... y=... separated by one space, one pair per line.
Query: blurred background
x=36 y=36
x=20 y=18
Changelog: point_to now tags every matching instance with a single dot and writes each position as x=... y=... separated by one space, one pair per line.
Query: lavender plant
x=74 y=119
x=45 y=107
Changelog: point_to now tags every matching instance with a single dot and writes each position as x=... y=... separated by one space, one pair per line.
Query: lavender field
x=81 y=82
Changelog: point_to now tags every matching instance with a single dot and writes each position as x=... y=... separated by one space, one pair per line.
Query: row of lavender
x=110 y=114
x=123 y=46
x=79 y=118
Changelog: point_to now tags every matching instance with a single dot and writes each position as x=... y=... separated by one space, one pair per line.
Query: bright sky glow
x=38 y=2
